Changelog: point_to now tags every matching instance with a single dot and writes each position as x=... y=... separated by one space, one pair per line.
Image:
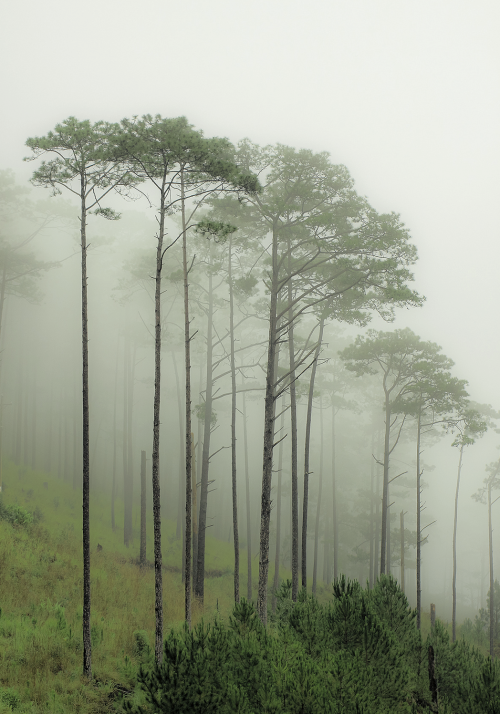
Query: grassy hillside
x=41 y=595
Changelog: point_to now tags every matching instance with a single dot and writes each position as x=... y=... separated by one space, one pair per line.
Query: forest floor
x=41 y=655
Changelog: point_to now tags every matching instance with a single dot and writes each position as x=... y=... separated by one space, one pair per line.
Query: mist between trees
x=224 y=289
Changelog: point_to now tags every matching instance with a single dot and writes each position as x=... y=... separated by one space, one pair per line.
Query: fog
x=406 y=96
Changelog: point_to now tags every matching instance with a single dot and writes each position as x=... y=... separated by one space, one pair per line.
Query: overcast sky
x=406 y=94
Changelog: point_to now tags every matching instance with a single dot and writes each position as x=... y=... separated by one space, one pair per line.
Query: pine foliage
x=360 y=653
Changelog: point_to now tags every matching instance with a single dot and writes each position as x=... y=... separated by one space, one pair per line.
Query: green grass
x=41 y=596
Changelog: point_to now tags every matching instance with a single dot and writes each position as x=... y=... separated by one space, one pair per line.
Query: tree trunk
x=233 y=432
x=372 y=496
x=305 y=503
x=87 y=644
x=155 y=453
x=187 y=352
x=182 y=461
x=130 y=460
x=385 y=489
x=195 y=508
x=318 y=509
x=419 y=512
x=335 y=523
x=247 y=490
x=293 y=420
x=402 y=532
x=278 y=513
x=492 y=581
x=268 y=442
x=113 y=483
x=127 y=502
x=205 y=463
x=19 y=417
x=33 y=423
x=454 y=584
x=142 y=553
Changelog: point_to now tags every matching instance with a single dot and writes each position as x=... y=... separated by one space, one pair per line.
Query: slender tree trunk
x=182 y=461
x=48 y=461
x=389 y=552
x=195 y=509
x=233 y=432
x=268 y=442
x=372 y=496
x=320 y=493
x=2 y=292
x=26 y=430
x=402 y=532
x=278 y=513
x=155 y=453
x=19 y=421
x=113 y=483
x=142 y=553
x=87 y=644
x=247 y=491
x=335 y=522
x=293 y=419
x=385 y=489
x=305 y=503
x=130 y=458
x=492 y=580
x=207 y=429
x=33 y=423
x=127 y=505
x=454 y=583
x=419 y=512
x=187 y=352
x=377 y=528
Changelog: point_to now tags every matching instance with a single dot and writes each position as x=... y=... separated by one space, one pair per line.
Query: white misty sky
x=406 y=94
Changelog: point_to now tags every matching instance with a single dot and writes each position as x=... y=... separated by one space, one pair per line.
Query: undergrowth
x=41 y=596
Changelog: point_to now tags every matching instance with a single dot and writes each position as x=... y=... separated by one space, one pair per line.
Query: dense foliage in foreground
x=358 y=654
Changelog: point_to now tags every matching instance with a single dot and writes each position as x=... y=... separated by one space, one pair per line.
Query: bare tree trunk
x=278 y=513
x=268 y=445
x=48 y=460
x=130 y=459
x=335 y=523
x=402 y=531
x=127 y=504
x=182 y=462
x=87 y=644
x=19 y=415
x=199 y=588
x=385 y=490
x=195 y=509
x=155 y=453
x=33 y=423
x=454 y=583
x=142 y=553
x=187 y=352
x=113 y=483
x=247 y=490
x=372 y=495
x=233 y=432
x=492 y=580
x=419 y=513
x=320 y=493
x=293 y=419
x=305 y=503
